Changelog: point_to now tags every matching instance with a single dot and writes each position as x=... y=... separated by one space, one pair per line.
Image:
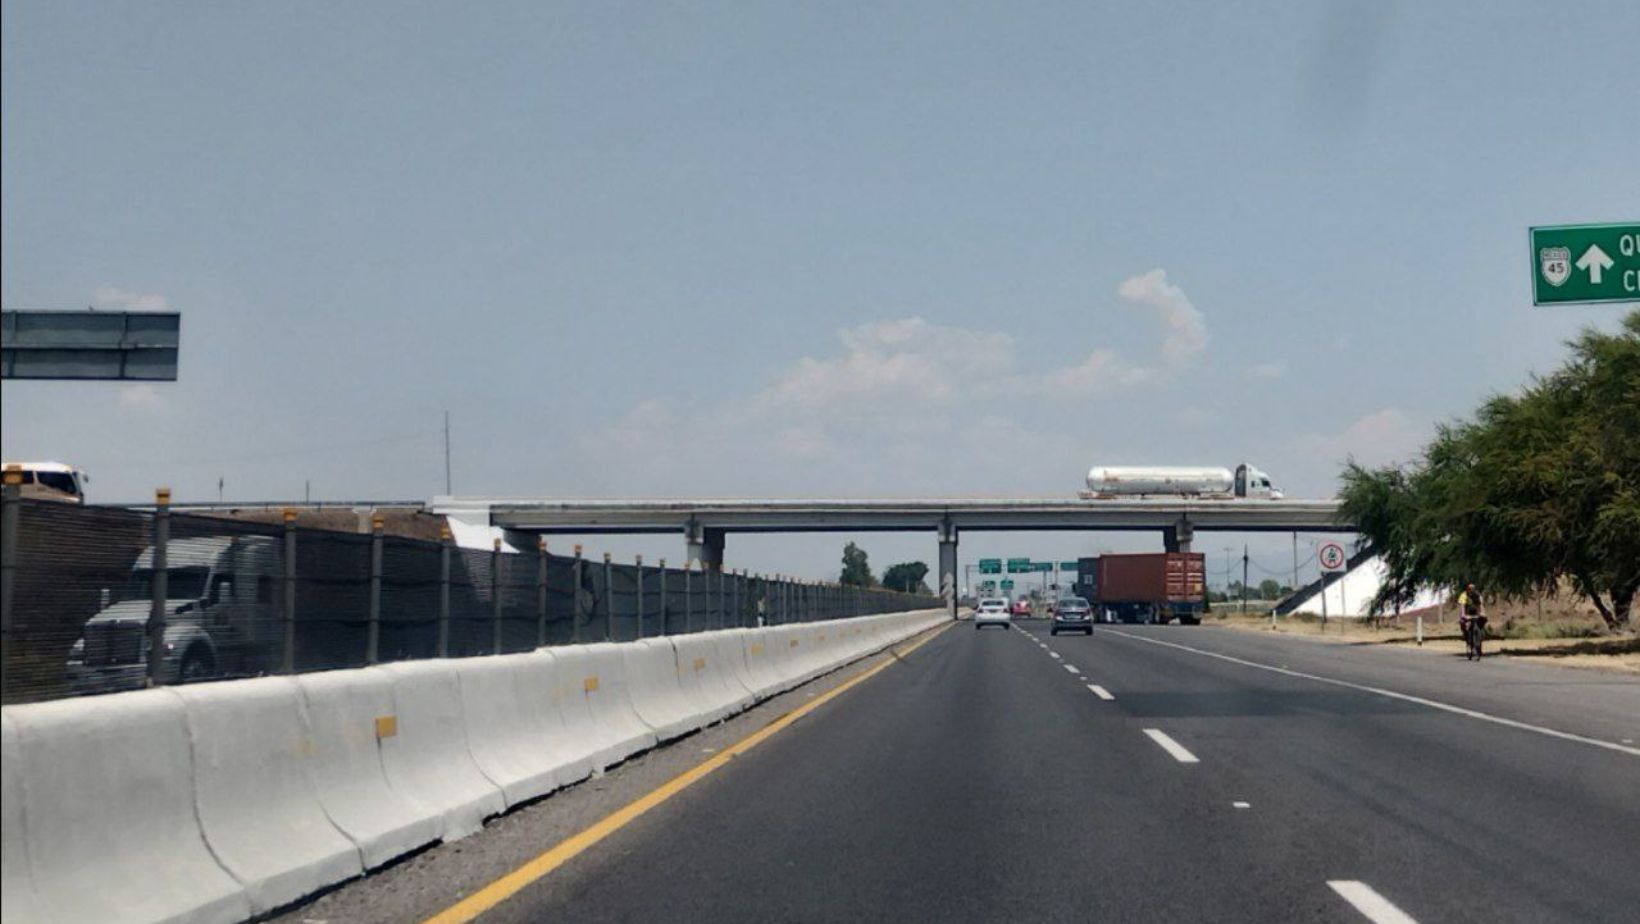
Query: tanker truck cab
x=222 y=616
x=1251 y=482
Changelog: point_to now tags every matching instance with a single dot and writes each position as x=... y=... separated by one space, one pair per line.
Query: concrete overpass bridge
x=706 y=523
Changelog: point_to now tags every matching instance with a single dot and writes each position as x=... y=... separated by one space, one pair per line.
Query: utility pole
x=1295 y=561
x=1244 y=580
x=447 y=453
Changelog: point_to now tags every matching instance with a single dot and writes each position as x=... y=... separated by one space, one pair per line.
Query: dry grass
x=1570 y=642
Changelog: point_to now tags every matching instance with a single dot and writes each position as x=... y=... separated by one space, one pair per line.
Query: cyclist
x=1471 y=619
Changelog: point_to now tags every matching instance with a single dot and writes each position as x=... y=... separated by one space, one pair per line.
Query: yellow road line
x=505 y=887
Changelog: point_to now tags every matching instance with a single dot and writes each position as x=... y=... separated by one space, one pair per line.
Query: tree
x=856 y=569
x=907 y=576
x=1269 y=589
x=1540 y=488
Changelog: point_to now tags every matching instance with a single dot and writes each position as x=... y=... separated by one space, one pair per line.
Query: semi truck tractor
x=222 y=616
x=1148 y=587
x=1246 y=481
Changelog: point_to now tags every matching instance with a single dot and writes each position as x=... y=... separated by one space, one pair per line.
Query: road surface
x=1143 y=773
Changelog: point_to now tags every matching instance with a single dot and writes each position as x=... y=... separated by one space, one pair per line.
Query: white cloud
x=119 y=299
x=895 y=398
x=1186 y=329
x=143 y=397
x=1103 y=370
x=1386 y=435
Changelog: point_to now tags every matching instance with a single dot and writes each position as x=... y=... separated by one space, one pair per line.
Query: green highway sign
x=1043 y=566
x=1580 y=264
x=1007 y=584
x=1017 y=565
x=1068 y=566
x=990 y=566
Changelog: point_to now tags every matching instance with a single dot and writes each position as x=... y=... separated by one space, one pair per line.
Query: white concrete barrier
x=764 y=676
x=255 y=795
x=614 y=730
x=657 y=689
x=427 y=755
x=569 y=694
x=108 y=786
x=17 y=900
x=346 y=713
x=510 y=735
x=554 y=697
x=707 y=674
x=219 y=801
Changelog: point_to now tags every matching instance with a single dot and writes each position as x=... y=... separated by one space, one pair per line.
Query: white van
x=223 y=616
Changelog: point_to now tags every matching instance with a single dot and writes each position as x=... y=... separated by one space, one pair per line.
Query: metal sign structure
x=138 y=346
x=1332 y=557
x=1585 y=264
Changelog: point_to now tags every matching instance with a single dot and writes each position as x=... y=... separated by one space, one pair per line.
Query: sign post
x=1332 y=558
x=1585 y=264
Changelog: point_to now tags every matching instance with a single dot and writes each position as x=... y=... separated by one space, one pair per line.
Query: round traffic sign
x=1331 y=556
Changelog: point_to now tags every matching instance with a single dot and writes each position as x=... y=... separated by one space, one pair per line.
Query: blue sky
x=783 y=249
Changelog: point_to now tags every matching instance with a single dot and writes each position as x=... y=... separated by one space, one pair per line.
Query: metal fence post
x=609 y=600
x=575 y=602
x=734 y=594
x=10 y=510
x=288 y=660
x=540 y=591
x=444 y=590
x=688 y=593
x=722 y=602
x=373 y=629
x=640 y=596
x=664 y=629
x=495 y=597
x=159 y=588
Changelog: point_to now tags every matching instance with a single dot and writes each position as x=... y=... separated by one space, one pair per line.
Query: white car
x=992 y=611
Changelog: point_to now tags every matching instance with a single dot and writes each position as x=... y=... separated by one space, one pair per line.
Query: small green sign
x=1068 y=566
x=1042 y=566
x=1007 y=584
x=990 y=566
x=1580 y=264
x=1018 y=565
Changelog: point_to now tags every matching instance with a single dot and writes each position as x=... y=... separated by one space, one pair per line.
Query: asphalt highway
x=1143 y=773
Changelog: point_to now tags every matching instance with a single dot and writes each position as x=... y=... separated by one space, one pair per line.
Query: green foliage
x=907 y=576
x=1541 y=487
x=856 y=569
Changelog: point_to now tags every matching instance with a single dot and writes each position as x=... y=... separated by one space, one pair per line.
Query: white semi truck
x=1111 y=481
x=222 y=616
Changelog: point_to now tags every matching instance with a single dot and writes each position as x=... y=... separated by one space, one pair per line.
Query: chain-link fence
x=99 y=599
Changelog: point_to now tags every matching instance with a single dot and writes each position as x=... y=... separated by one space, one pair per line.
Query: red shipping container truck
x=1145 y=587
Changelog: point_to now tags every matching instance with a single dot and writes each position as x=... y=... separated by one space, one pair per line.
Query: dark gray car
x=1072 y=614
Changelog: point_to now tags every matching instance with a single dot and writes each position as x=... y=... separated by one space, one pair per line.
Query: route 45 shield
x=1555 y=264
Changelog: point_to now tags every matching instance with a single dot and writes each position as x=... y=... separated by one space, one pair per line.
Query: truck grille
x=116 y=643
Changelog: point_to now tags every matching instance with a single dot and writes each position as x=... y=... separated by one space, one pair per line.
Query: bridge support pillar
x=948 y=567
x=705 y=545
x=1177 y=538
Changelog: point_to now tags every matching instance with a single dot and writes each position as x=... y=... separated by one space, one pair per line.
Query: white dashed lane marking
x=1173 y=748
x=1374 y=907
x=1099 y=691
x=1071 y=668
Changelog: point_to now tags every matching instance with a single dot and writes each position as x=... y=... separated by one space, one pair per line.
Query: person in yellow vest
x=1470 y=614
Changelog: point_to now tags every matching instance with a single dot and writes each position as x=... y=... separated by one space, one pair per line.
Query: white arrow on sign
x=1595 y=261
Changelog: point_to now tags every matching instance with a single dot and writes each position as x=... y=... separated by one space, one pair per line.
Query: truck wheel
x=197 y=664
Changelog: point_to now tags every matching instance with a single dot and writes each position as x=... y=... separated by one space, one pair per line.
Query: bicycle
x=1474 y=635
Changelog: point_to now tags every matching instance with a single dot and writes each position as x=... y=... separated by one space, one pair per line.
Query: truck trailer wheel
x=197 y=665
